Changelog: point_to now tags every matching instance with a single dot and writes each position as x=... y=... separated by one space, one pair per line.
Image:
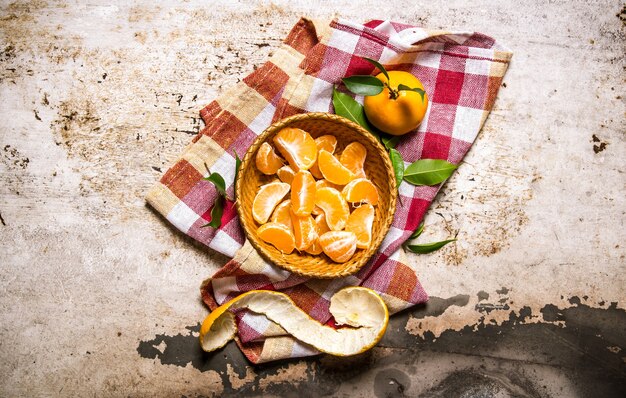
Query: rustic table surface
x=100 y=296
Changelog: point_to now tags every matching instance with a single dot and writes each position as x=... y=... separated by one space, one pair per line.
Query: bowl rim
x=285 y=122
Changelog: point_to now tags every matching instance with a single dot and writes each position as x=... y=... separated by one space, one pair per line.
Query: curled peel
x=361 y=309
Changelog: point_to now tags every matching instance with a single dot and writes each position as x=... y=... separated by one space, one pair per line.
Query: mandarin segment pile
x=320 y=202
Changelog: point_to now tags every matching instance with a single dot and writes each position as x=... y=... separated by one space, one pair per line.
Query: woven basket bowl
x=377 y=167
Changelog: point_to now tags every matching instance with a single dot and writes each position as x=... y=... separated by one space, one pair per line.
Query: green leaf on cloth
x=347 y=107
x=216 y=213
x=425 y=248
x=428 y=171
x=378 y=65
x=363 y=85
x=398 y=165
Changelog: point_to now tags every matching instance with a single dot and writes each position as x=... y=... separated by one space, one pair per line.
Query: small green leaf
x=398 y=165
x=237 y=165
x=378 y=65
x=407 y=88
x=428 y=247
x=218 y=181
x=418 y=231
x=428 y=171
x=216 y=213
x=390 y=141
x=363 y=85
x=347 y=107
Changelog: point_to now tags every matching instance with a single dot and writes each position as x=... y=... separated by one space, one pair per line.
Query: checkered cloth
x=461 y=72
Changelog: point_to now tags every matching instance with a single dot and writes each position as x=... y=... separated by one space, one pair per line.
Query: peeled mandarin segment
x=321 y=227
x=303 y=193
x=282 y=214
x=338 y=245
x=297 y=146
x=353 y=157
x=360 y=222
x=334 y=206
x=285 y=174
x=328 y=143
x=304 y=231
x=333 y=170
x=360 y=308
x=277 y=235
x=267 y=161
x=360 y=190
x=325 y=183
x=266 y=199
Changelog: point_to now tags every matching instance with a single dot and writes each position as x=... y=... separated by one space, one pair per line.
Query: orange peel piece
x=361 y=309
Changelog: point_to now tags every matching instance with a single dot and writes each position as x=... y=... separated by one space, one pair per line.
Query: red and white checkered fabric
x=461 y=72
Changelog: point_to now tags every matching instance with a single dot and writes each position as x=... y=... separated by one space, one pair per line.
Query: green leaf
x=418 y=231
x=428 y=171
x=379 y=66
x=363 y=85
x=398 y=165
x=237 y=165
x=347 y=107
x=218 y=181
x=428 y=247
x=407 y=88
x=216 y=213
x=390 y=141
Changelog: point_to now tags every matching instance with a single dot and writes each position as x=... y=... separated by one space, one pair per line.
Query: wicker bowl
x=377 y=167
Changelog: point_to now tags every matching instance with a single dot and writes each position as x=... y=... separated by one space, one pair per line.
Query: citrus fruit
x=360 y=190
x=328 y=143
x=334 y=206
x=282 y=215
x=338 y=245
x=303 y=193
x=285 y=174
x=267 y=161
x=396 y=111
x=277 y=235
x=266 y=199
x=297 y=146
x=353 y=157
x=361 y=309
x=332 y=169
x=304 y=230
x=321 y=228
x=360 y=222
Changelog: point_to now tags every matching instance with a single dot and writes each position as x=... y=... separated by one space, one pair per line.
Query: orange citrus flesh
x=360 y=222
x=321 y=227
x=285 y=174
x=328 y=143
x=353 y=157
x=399 y=115
x=360 y=190
x=268 y=197
x=332 y=169
x=277 y=235
x=297 y=146
x=303 y=193
x=267 y=161
x=282 y=215
x=338 y=245
x=304 y=230
x=334 y=206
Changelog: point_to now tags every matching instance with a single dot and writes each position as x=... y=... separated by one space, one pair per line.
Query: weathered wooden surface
x=100 y=295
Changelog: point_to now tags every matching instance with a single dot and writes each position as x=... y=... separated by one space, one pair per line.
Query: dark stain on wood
x=507 y=359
